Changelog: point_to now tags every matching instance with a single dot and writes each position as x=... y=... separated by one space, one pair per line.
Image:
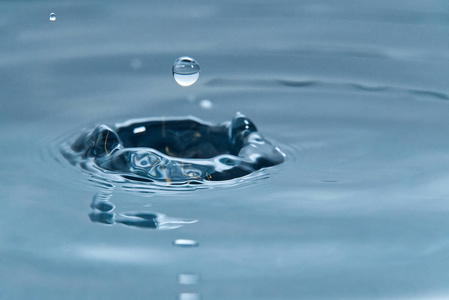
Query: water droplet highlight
x=185 y=243
x=189 y=296
x=186 y=71
x=52 y=17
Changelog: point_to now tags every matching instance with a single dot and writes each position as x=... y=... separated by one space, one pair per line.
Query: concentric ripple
x=175 y=152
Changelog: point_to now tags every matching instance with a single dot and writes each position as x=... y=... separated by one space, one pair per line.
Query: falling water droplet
x=185 y=243
x=186 y=71
x=206 y=104
x=52 y=17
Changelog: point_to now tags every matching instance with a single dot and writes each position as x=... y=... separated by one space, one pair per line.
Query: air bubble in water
x=52 y=17
x=186 y=71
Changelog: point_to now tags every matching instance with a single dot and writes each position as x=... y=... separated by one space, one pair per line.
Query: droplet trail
x=189 y=296
x=186 y=71
x=185 y=243
x=188 y=279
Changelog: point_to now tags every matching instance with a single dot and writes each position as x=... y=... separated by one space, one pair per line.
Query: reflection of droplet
x=188 y=278
x=189 y=296
x=186 y=71
x=185 y=243
x=107 y=218
x=104 y=206
x=52 y=17
x=206 y=104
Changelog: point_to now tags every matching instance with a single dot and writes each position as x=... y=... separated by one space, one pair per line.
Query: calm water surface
x=355 y=93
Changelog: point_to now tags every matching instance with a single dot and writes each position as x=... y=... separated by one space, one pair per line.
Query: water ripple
x=329 y=85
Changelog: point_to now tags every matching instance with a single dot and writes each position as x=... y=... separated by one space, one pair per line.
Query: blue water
x=354 y=92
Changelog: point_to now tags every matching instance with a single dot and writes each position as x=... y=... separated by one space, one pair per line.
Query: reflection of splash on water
x=154 y=156
x=103 y=211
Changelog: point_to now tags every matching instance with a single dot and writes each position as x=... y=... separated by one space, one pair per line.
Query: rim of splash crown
x=110 y=155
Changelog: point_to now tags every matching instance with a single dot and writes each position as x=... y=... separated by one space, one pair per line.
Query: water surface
x=355 y=94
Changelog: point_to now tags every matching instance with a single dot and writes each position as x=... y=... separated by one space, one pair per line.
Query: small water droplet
x=185 y=243
x=186 y=71
x=206 y=104
x=189 y=296
x=52 y=17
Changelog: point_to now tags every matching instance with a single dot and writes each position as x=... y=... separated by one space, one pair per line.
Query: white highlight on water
x=139 y=129
x=189 y=296
x=185 y=243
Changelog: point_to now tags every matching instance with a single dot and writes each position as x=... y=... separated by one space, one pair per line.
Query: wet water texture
x=110 y=191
